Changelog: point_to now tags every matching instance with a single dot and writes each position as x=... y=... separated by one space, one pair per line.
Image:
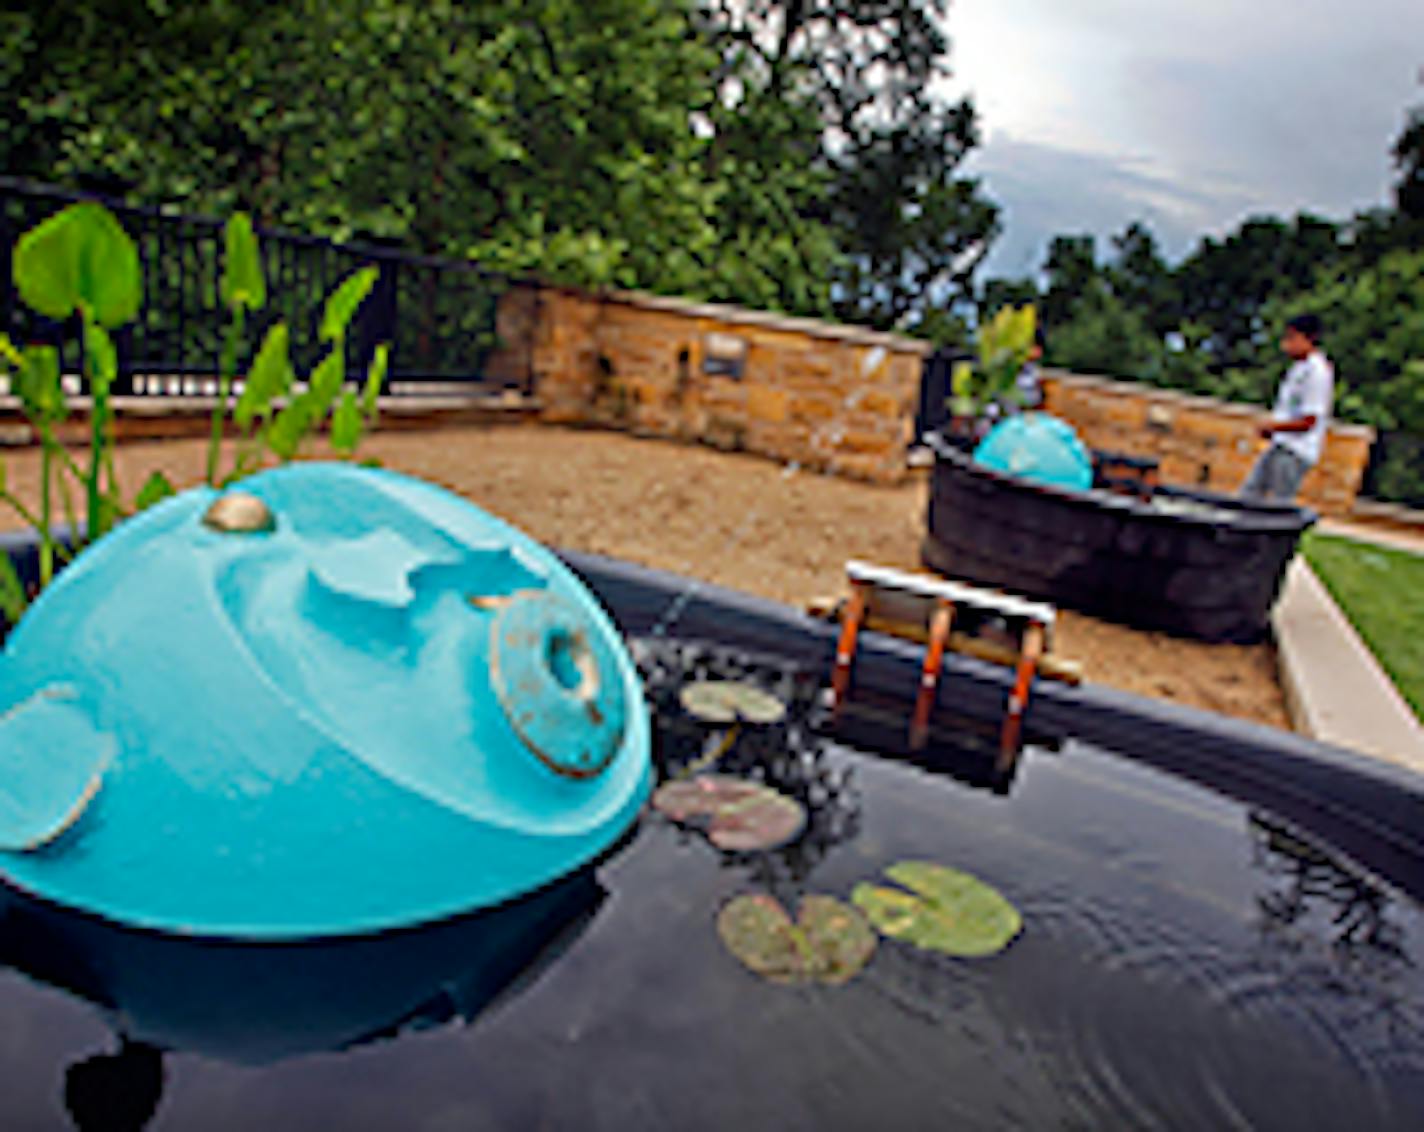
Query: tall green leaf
x=37 y=384
x=341 y=307
x=290 y=427
x=103 y=360
x=155 y=488
x=80 y=258
x=12 y=591
x=346 y=424
x=269 y=377
x=375 y=378
x=243 y=283
x=325 y=383
x=8 y=351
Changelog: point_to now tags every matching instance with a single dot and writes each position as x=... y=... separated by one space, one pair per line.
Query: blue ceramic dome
x=388 y=708
x=1037 y=447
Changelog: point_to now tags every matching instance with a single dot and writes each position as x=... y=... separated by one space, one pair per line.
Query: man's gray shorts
x=1276 y=476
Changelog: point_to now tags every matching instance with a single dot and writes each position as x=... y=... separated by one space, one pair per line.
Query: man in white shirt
x=1301 y=416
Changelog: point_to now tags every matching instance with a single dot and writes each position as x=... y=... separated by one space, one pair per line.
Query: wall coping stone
x=1189 y=400
x=764 y=320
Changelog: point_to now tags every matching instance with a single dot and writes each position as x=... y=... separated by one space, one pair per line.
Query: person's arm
x=1300 y=424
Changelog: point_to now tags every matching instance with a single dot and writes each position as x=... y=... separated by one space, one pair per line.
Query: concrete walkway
x=1370 y=533
x=1335 y=688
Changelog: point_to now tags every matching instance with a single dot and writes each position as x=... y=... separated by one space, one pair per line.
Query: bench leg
x=851 y=621
x=940 y=625
x=1030 y=652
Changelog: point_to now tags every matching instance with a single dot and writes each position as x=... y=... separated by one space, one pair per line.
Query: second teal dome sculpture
x=1037 y=447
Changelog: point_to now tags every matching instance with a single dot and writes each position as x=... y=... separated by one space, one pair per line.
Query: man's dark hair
x=1309 y=325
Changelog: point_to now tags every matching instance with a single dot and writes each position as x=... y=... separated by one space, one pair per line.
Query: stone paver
x=1379 y=536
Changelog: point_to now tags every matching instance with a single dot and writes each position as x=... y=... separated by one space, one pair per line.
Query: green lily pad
x=830 y=944
x=730 y=701
x=945 y=910
x=736 y=815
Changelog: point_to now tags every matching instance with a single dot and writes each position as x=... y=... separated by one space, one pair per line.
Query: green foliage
x=1103 y=335
x=1003 y=349
x=1408 y=154
x=341 y=307
x=156 y=488
x=80 y=260
x=243 y=283
x=944 y=910
x=830 y=943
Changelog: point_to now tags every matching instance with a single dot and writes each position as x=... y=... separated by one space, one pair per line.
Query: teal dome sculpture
x=1040 y=448
x=331 y=701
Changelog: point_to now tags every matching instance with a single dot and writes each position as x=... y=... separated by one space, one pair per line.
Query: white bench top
x=936 y=588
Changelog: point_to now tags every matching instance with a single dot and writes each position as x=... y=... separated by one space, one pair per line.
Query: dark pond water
x=1181 y=966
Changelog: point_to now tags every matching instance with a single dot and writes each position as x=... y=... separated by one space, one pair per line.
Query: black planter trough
x=1191 y=563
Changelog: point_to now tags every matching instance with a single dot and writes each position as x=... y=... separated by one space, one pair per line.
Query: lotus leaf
x=830 y=944
x=729 y=701
x=945 y=910
x=740 y=816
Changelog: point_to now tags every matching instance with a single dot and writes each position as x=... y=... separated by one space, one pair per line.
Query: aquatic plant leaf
x=37 y=384
x=346 y=426
x=103 y=359
x=839 y=936
x=243 y=284
x=730 y=701
x=80 y=258
x=736 y=815
x=830 y=943
x=946 y=910
x=12 y=591
x=8 y=351
x=341 y=307
x=269 y=376
x=155 y=488
x=375 y=378
x=757 y=930
x=325 y=383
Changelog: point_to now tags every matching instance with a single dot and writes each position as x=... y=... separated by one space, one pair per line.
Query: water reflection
x=1335 y=939
x=261 y=1003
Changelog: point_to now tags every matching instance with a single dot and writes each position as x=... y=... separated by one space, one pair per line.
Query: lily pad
x=730 y=701
x=945 y=910
x=830 y=944
x=736 y=815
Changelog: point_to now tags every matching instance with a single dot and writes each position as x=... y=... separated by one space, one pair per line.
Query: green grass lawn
x=1382 y=593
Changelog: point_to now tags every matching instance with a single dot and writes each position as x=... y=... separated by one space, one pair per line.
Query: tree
x=1408 y=154
x=998 y=293
x=910 y=230
x=1140 y=277
x=1070 y=268
x=1104 y=335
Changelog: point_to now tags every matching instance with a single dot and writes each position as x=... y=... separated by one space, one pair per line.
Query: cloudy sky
x=1190 y=116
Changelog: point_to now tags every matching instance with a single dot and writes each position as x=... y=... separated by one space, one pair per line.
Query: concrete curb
x=1335 y=689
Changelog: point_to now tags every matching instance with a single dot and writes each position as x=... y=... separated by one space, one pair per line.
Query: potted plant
x=983 y=390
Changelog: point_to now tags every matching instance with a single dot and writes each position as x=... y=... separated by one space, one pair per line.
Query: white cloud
x=1187 y=115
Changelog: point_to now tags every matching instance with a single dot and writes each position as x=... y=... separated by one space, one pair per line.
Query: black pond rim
x=1243 y=516
x=1370 y=810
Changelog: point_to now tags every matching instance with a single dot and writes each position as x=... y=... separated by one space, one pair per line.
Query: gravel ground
x=736 y=520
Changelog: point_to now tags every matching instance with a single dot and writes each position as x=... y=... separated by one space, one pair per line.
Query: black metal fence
x=438 y=314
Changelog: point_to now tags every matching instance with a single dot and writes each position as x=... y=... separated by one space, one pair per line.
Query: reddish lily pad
x=736 y=815
x=945 y=910
x=830 y=944
x=730 y=701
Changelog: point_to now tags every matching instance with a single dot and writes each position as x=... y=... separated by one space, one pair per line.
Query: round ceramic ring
x=558 y=682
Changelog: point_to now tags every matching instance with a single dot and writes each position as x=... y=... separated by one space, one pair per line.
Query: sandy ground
x=739 y=521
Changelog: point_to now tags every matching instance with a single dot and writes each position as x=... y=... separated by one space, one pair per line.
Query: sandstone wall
x=1199 y=441
x=834 y=398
